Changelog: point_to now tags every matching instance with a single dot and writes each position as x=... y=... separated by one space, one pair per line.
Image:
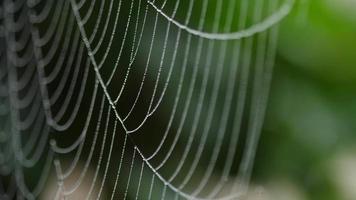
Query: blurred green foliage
x=311 y=115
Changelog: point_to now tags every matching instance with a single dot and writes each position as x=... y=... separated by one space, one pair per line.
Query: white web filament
x=134 y=99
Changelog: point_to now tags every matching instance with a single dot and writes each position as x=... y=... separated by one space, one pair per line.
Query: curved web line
x=68 y=38
x=104 y=88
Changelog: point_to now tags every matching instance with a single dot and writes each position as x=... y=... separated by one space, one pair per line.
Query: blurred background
x=308 y=146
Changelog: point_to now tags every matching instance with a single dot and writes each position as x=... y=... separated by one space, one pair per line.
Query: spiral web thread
x=137 y=99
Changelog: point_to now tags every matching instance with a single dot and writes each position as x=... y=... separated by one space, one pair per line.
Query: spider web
x=134 y=99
